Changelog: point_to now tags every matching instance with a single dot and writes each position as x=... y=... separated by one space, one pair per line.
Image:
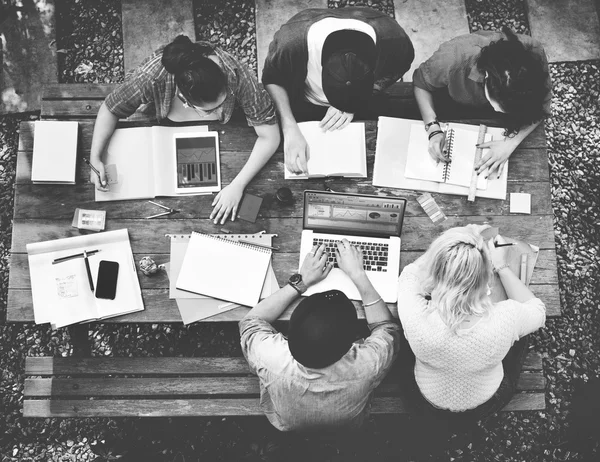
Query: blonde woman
x=467 y=349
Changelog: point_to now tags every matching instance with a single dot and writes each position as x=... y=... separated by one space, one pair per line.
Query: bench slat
x=211 y=407
x=48 y=365
x=191 y=386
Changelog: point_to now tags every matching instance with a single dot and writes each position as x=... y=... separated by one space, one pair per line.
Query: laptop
x=372 y=222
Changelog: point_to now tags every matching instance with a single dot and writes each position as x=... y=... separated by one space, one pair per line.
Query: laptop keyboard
x=375 y=256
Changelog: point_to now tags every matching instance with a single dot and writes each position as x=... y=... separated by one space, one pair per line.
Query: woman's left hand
x=495 y=158
x=226 y=203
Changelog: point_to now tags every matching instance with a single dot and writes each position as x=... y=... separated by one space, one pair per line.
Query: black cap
x=348 y=59
x=322 y=329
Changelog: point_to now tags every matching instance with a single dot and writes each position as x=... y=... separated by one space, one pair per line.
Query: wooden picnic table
x=44 y=212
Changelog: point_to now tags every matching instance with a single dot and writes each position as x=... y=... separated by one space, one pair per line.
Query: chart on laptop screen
x=196 y=162
x=359 y=213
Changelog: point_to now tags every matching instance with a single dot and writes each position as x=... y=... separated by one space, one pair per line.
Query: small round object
x=284 y=195
x=88 y=107
x=149 y=266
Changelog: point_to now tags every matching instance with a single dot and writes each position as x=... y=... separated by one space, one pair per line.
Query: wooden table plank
x=545 y=271
x=146 y=235
x=160 y=309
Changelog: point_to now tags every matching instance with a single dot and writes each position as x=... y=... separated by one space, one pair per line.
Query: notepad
x=54 y=152
x=461 y=153
x=224 y=269
x=334 y=153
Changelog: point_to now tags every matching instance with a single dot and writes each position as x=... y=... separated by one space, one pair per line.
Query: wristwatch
x=297 y=283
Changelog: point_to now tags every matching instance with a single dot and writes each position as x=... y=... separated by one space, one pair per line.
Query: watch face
x=295 y=278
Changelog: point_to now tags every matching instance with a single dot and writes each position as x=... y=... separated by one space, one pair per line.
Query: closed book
x=54 y=152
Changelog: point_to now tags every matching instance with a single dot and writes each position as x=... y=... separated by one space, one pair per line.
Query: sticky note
x=520 y=203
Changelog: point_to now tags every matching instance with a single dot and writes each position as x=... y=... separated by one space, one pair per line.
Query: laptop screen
x=357 y=214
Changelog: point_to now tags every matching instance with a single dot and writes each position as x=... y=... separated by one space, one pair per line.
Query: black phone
x=106 y=284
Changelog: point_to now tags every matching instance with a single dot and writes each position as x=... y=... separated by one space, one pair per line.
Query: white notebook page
x=222 y=269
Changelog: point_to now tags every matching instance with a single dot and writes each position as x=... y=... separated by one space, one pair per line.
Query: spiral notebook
x=461 y=152
x=224 y=269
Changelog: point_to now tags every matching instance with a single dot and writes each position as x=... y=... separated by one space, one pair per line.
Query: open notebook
x=146 y=162
x=458 y=171
x=224 y=269
x=334 y=153
x=61 y=292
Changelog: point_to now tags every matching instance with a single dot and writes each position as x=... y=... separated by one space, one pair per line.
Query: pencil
x=89 y=271
x=505 y=245
x=94 y=169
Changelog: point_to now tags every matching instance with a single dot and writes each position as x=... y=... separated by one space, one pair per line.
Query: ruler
x=478 y=154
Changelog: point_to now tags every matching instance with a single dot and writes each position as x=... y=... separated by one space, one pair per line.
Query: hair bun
x=176 y=54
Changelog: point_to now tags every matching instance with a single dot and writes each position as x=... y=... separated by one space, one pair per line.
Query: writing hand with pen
x=97 y=174
x=437 y=145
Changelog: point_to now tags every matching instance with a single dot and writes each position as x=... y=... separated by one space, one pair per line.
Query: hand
x=349 y=259
x=226 y=202
x=315 y=267
x=296 y=151
x=495 y=158
x=100 y=185
x=498 y=254
x=437 y=146
x=335 y=119
x=478 y=228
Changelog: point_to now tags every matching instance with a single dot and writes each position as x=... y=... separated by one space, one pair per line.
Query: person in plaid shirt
x=186 y=81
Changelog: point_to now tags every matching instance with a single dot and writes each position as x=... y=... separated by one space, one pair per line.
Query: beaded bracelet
x=372 y=303
x=434 y=133
x=433 y=122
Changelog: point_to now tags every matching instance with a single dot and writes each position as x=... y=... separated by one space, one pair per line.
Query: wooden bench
x=103 y=387
x=177 y=387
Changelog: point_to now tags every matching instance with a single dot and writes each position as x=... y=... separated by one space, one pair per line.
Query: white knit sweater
x=460 y=371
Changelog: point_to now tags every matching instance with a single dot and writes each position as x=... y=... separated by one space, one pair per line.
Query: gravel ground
x=385 y=6
x=493 y=15
x=570 y=345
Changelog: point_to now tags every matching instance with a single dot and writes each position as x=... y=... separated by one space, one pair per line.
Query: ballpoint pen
x=505 y=245
x=71 y=257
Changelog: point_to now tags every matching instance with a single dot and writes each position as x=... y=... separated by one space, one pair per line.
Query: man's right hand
x=100 y=183
x=296 y=151
x=349 y=259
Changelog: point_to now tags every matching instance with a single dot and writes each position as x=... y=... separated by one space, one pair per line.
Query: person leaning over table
x=333 y=65
x=186 y=81
x=469 y=351
x=320 y=375
x=499 y=70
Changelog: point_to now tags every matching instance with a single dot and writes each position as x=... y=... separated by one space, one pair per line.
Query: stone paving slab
x=150 y=24
x=568 y=29
x=270 y=16
x=28 y=56
x=429 y=23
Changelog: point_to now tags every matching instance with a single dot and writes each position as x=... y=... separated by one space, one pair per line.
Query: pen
x=87 y=268
x=505 y=245
x=94 y=169
x=71 y=257
x=259 y=245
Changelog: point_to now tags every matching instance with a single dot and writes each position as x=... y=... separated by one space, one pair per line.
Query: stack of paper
x=61 y=292
x=54 y=152
x=195 y=307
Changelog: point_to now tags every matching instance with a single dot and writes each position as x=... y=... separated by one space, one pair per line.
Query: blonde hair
x=459 y=270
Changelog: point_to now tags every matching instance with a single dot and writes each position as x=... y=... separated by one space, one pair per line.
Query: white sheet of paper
x=520 y=203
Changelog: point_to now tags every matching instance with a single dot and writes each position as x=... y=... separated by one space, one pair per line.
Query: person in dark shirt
x=499 y=70
x=328 y=64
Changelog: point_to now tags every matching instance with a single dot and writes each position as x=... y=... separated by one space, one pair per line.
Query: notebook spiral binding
x=234 y=242
x=449 y=147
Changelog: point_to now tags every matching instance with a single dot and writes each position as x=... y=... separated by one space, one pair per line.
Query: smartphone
x=106 y=284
